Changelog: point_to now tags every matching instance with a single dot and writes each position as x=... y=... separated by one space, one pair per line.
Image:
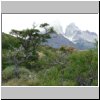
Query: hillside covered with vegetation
x=26 y=62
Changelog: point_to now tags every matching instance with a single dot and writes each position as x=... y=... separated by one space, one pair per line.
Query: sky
x=22 y=21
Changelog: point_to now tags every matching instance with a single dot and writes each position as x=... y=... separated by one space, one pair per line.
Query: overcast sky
x=22 y=21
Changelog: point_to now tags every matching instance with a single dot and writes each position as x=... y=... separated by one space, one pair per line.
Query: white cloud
x=21 y=21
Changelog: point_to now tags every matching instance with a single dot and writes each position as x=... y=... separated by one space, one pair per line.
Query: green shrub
x=63 y=49
x=8 y=73
x=50 y=77
x=83 y=67
x=24 y=73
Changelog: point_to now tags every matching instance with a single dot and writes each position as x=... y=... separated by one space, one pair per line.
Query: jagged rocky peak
x=73 y=36
x=73 y=33
x=72 y=27
x=71 y=30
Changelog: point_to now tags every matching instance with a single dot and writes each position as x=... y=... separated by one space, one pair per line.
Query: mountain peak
x=72 y=26
x=71 y=30
x=74 y=34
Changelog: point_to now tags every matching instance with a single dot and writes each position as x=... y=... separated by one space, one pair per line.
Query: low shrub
x=8 y=73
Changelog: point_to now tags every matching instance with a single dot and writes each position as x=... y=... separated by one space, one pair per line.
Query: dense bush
x=7 y=41
x=84 y=67
x=8 y=73
x=50 y=77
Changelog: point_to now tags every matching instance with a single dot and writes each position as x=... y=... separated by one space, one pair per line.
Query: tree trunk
x=16 y=69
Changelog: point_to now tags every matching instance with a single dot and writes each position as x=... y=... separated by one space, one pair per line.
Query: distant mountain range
x=73 y=36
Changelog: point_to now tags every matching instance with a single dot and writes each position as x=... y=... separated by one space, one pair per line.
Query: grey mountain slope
x=83 y=44
x=58 y=40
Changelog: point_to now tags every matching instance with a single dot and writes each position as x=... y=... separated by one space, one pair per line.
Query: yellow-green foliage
x=8 y=73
